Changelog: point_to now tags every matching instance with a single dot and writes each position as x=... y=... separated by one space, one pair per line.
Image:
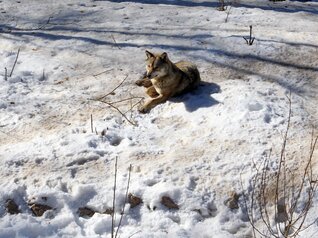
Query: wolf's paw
x=143 y=109
x=139 y=82
x=144 y=82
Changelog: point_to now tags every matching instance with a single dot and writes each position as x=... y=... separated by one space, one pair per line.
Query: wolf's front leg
x=152 y=103
x=151 y=91
x=144 y=81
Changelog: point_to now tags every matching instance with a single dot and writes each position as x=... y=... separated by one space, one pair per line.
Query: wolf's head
x=157 y=65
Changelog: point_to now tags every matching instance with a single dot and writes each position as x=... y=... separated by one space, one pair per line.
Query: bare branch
x=134 y=234
x=112 y=92
x=291 y=203
x=5 y=74
x=111 y=104
x=227 y=14
x=114 y=199
x=121 y=113
x=126 y=196
x=15 y=61
x=105 y=71
x=92 y=126
x=115 y=41
x=251 y=39
x=127 y=99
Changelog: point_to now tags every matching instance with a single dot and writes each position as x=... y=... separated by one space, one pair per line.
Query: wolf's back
x=191 y=77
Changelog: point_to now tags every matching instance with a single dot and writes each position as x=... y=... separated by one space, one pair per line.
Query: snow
x=195 y=148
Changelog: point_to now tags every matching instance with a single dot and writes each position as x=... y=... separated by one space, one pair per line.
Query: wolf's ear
x=164 y=56
x=149 y=54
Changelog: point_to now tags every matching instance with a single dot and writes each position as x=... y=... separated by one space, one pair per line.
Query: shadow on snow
x=283 y=7
x=199 y=98
x=214 y=55
x=183 y=3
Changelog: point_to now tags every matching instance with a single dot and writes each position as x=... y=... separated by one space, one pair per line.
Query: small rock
x=39 y=209
x=134 y=200
x=232 y=201
x=169 y=203
x=12 y=207
x=85 y=212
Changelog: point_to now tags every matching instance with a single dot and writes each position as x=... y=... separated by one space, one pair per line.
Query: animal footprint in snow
x=169 y=203
x=255 y=106
x=85 y=212
x=39 y=209
x=232 y=201
x=12 y=207
x=134 y=200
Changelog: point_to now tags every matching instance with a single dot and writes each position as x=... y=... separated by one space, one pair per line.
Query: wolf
x=164 y=79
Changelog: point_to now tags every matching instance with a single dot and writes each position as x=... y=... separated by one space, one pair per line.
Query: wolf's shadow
x=201 y=97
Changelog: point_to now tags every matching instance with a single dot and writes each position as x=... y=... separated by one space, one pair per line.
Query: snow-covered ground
x=195 y=149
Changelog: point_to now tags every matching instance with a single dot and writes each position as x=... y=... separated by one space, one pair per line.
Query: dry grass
x=281 y=197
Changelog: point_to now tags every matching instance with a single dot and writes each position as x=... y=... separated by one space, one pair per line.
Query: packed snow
x=196 y=149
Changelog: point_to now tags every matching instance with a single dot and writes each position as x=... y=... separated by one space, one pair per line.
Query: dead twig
x=134 y=234
x=112 y=104
x=126 y=197
x=227 y=14
x=251 y=39
x=15 y=61
x=127 y=99
x=114 y=199
x=105 y=71
x=292 y=200
x=5 y=74
x=43 y=75
x=112 y=92
x=249 y=210
x=46 y=23
x=92 y=124
x=133 y=106
x=120 y=112
x=115 y=41
x=40 y=26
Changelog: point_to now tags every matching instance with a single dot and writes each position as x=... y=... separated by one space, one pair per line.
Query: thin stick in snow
x=251 y=39
x=292 y=201
x=5 y=73
x=112 y=92
x=227 y=14
x=115 y=42
x=92 y=125
x=95 y=75
x=111 y=104
x=131 y=107
x=120 y=112
x=46 y=23
x=126 y=99
x=16 y=59
x=114 y=198
x=43 y=75
x=134 y=234
x=126 y=196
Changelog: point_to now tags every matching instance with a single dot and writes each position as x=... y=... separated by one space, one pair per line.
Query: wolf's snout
x=148 y=75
